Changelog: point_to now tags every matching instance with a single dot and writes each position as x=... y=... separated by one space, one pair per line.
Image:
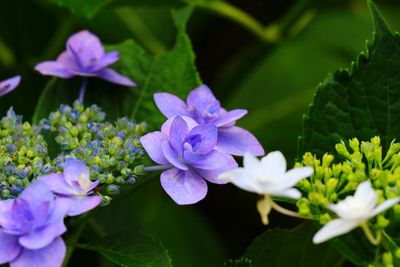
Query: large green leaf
x=132 y=250
x=173 y=71
x=239 y=263
x=188 y=236
x=286 y=248
x=362 y=102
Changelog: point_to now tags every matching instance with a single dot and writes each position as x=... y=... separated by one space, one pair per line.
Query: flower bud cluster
x=337 y=176
x=23 y=155
x=111 y=150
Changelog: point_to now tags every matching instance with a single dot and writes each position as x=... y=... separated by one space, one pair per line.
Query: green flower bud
x=327 y=160
x=354 y=144
x=331 y=185
x=308 y=159
x=324 y=218
x=342 y=149
x=382 y=222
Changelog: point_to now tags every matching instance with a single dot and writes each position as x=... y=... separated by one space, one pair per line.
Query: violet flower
x=9 y=85
x=31 y=226
x=188 y=155
x=202 y=106
x=73 y=187
x=84 y=56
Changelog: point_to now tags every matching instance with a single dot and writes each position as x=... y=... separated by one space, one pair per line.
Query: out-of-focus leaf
x=189 y=238
x=279 y=85
x=239 y=263
x=286 y=248
x=132 y=250
x=362 y=102
x=85 y=8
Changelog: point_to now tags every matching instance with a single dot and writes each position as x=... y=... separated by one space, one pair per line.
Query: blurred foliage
x=275 y=80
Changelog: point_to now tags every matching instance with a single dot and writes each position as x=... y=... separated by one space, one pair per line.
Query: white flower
x=354 y=211
x=269 y=178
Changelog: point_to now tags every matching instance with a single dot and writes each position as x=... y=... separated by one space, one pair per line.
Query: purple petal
x=57 y=184
x=212 y=161
x=166 y=127
x=42 y=237
x=212 y=175
x=106 y=60
x=114 y=77
x=80 y=205
x=53 y=68
x=170 y=105
x=151 y=142
x=177 y=133
x=36 y=194
x=9 y=247
x=201 y=98
x=5 y=212
x=86 y=45
x=50 y=256
x=209 y=137
x=184 y=187
x=74 y=171
x=8 y=85
x=230 y=117
x=237 y=141
x=172 y=156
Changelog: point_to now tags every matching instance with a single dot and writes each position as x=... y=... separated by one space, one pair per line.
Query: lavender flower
x=31 y=226
x=74 y=187
x=189 y=154
x=202 y=106
x=84 y=56
x=8 y=85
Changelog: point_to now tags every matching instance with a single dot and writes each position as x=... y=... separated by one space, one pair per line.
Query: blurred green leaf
x=362 y=102
x=239 y=263
x=286 y=248
x=173 y=71
x=187 y=235
x=85 y=8
x=131 y=250
x=277 y=86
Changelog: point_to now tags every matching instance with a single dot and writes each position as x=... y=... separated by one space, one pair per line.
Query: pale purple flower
x=189 y=153
x=31 y=226
x=202 y=106
x=84 y=56
x=8 y=85
x=74 y=187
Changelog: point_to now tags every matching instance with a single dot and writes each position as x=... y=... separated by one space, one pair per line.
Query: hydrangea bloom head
x=353 y=211
x=31 y=226
x=74 y=186
x=84 y=56
x=202 y=106
x=191 y=151
x=8 y=85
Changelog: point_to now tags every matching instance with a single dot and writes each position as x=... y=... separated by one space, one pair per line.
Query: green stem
x=285 y=211
x=368 y=233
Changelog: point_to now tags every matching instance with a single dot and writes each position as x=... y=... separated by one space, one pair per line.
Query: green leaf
x=131 y=250
x=183 y=230
x=284 y=248
x=362 y=102
x=172 y=72
x=239 y=263
x=85 y=9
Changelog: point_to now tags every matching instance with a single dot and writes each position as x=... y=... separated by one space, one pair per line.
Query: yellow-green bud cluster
x=337 y=176
x=23 y=155
x=112 y=151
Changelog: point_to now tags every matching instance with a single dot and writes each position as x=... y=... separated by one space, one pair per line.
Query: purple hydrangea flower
x=73 y=187
x=8 y=85
x=84 y=56
x=31 y=226
x=202 y=106
x=189 y=152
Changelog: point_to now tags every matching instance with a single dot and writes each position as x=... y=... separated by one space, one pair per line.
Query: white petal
x=367 y=194
x=293 y=176
x=274 y=164
x=240 y=178
x=289 y=193
x=385 y=205
x=334 y=228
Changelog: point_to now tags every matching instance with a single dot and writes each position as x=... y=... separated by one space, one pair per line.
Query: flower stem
x=368 y=233
x=157 y=168
x=83 y=90
x=287 y=212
